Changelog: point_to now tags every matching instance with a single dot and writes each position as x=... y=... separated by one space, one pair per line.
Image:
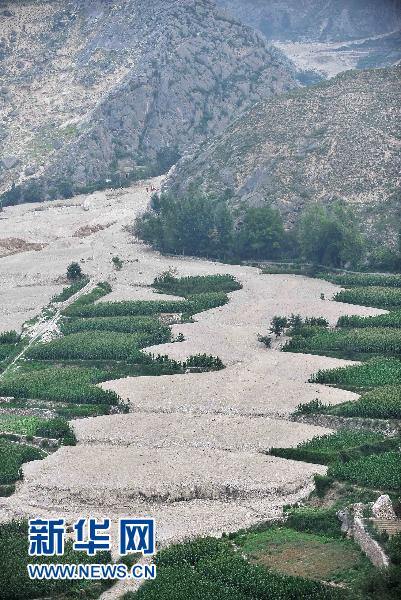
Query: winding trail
x=191 y=452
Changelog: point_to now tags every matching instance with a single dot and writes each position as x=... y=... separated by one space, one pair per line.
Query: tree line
x=205 y=226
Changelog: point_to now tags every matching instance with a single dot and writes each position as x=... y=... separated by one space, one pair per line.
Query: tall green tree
x=330 y=235
x=261 y=234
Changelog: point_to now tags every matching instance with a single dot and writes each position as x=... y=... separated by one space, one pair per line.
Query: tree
x=261 y=234
x=74 y=271
x=330 y=235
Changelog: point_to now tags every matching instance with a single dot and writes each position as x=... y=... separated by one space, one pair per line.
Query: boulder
x=383 y=508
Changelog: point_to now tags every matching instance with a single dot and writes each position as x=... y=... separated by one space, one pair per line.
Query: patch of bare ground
x=87 y=230
x=16 y=245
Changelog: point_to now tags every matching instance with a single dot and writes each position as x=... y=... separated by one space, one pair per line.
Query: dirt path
x=190 y=453
x=47 y=326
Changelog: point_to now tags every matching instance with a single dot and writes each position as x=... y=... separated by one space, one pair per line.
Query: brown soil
x=16 y=245
x=88 y=230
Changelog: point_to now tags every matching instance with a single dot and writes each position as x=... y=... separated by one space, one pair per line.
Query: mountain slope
x=339 y=139
x=102 y=89
x=319 y=20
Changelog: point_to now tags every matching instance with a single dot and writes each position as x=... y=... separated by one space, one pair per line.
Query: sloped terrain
x=339 y=139
x=106 y=90
x=318 y=20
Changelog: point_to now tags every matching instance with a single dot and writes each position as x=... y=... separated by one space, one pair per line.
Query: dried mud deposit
x=190 y=451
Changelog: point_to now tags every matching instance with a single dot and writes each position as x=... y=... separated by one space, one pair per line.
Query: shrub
x=74 y=271
x=278 y=325
x=203 y=362
x=117 y=262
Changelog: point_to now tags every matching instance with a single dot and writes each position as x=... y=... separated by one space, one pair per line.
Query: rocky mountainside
x=318 y=20
x=339 y=139
x=99 y=90
x=327 y=36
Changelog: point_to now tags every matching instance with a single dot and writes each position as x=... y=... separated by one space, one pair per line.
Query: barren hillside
x=103 y=90
x=339 y=139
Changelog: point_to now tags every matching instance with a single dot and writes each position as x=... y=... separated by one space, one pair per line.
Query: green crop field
x=379 y=297
x=12 y=456
x=69 y=384
x=391 y=319
x=102 y=345
x=375 y=372
x=14 y=580
x=149 y=325
x=384 y=341
x=343 y=444
x=188 y=286
x=379 y=403
x=381 y=471
x=364 y=279
x=209 y=569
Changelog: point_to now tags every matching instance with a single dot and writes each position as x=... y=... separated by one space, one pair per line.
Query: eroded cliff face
x=318 y=20
x=338 y=140
x=96 y=88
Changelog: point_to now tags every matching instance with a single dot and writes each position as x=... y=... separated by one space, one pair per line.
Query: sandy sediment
x=190 y=453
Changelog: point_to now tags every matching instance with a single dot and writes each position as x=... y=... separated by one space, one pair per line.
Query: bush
x=74 y=271
x=204 y=362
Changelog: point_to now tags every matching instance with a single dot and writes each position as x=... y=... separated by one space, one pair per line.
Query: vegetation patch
x=379 y=297
x=381 y=471
x=311 y=555
x=142 y=325
x=12 y=456
x=188 y=286
x=71 y=290
x=343 y=444
x=379 y=403
x=375 y=372
x=15 y=583
x=347 y=342
x=102 y=346
x=391 y=319
x=36 y=426
x=209 y=569
x=67 y=384
x=364 y=279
